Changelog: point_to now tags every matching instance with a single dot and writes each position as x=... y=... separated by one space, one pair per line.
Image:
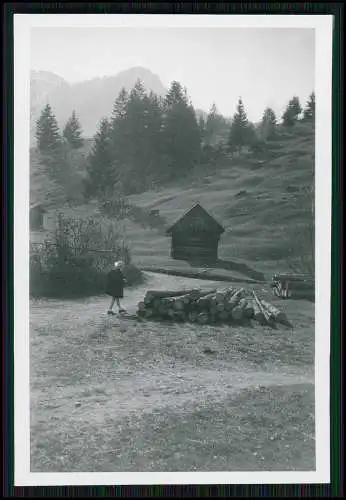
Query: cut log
x=179 y=316
x=265 y=313
x=206 y=302
x=258 y=314
x=220 y=307
x=160 y=294
x=237 y=312
x=222 y=295
x=223 y=316
x=274 y=312
x=213 y=318
x=185 y=300
x=248 y=310
x=234 y=300
x=242 y=310
x=179 y=304
x=202 y=318
x=192 y=316
x=213 y=309
x=202 y=293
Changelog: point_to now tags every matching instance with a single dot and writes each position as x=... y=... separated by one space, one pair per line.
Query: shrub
x=76 y=262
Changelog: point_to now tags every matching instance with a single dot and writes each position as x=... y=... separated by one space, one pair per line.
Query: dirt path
x=165 y=390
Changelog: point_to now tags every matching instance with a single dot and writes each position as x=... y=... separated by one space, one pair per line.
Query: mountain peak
x=92 y=99
x=48 y=76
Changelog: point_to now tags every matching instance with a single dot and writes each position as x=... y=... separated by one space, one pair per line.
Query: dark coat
x=115 y=284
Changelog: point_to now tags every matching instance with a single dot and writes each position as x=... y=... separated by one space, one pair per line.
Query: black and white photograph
x=172 y=249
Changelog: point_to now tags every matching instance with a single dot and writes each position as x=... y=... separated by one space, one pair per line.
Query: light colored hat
x=118 y=264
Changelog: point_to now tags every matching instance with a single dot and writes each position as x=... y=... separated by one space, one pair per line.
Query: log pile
x=293 y=286
x=225 y=306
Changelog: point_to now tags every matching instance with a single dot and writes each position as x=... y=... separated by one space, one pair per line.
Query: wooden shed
x=37 y=217
x=195 y=236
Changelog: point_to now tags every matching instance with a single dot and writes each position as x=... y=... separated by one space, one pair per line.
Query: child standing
x=115 y=286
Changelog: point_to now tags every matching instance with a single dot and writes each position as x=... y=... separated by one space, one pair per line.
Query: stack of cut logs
x=293 y=286
x=209 y=307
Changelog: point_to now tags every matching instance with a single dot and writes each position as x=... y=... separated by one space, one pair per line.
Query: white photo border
x=323 y=26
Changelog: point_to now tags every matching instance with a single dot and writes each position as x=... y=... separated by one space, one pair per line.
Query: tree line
x=149 y=138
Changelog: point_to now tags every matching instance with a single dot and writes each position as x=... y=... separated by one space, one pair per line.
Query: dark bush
x=78 y=259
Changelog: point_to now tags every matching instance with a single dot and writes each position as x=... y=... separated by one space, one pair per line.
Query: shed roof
x=196 y=208
x=37 y=206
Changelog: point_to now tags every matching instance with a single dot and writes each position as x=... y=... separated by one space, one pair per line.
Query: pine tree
x=175 y=95
x=120 y=107
x=181 y=135
x=242 y=132
x=47 y=131
x=135 y=147
x=102 y=174
x=201 y=127
x=292 y=112
x=73 y=132
x=268 y=124
x=211 y=124
x=309 y=111
x=153 y=124
x=138 y=90
x=136 y=136
x=119 y=127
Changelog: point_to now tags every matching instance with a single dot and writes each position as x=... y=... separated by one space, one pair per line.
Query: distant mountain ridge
x=92 y=99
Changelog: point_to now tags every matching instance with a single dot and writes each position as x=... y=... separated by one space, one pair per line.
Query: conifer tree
x=175 y=95
x=136 y=150
x=119 y=127
x=292 y=112
x=201 y=127
x=211 y=125
x=181 y=135
x=47 y=131
x=153 y=123
x=268 y=124
x=309 y=111
x=101 y=165
x=120 y=107
x=242 y=132
x=136 y=136
x=73 y=132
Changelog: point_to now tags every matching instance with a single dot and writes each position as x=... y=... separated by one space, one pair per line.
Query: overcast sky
x=265 y=66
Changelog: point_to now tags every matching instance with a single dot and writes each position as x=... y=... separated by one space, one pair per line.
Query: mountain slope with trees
x=252 y=177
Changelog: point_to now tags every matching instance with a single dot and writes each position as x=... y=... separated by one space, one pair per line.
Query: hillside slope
x=260 y=203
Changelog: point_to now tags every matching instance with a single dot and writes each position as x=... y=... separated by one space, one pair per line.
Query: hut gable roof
x=197 y=211
x=38 y=206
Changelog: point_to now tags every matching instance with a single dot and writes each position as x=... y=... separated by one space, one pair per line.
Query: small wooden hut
x=195 y=236
x=37 y=217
